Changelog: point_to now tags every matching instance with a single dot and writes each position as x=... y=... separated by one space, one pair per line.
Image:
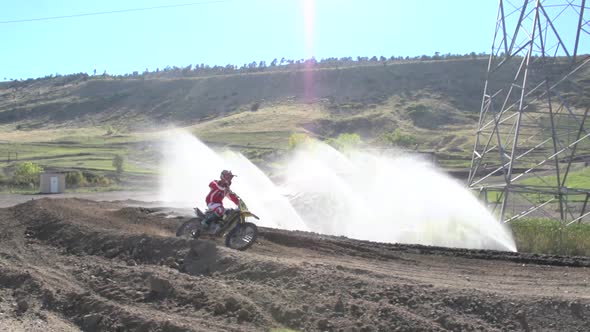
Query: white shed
x=52 y=183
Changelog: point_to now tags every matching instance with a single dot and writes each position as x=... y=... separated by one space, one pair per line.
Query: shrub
x=75 y=179
x=27 y=172
x=109 y=131
x=345 y=141
x=398 y=138
x=98 y=180
x=118 y=164
x=81 y=179
x=297 y=139
x=103 y=181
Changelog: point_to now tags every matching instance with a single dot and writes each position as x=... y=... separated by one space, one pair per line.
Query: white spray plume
x=190 y=165
x=360 y=195
x=389 y=199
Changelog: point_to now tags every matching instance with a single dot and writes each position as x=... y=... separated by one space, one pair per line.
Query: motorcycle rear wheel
x=242 y=237
x=190 y=229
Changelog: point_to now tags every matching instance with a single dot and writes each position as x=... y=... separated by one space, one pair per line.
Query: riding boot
x=207 y=220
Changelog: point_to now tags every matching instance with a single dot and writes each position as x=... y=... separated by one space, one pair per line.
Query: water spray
x=400 y=198
x=396 y=199
x=189 y=166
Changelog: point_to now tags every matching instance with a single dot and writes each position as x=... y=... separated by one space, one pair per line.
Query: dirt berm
x=70 y=265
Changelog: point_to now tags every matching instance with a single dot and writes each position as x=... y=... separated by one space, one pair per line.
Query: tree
x=118 y=162
x=274 y=62
x=27 y=172
x=109 y=130
x=345 y=141
x=75 y=178
x=398 y=138
x=297 y=139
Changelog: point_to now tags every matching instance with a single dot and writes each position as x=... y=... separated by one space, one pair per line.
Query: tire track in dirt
x=105 y=267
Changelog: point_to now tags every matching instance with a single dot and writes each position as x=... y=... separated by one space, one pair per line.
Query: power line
x=114 y=11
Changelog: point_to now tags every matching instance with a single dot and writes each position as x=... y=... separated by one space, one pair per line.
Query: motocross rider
x=219 y=189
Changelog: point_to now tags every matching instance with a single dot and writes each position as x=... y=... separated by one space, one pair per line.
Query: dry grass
x=9 y=134
x=280 y=117
x=551 y=237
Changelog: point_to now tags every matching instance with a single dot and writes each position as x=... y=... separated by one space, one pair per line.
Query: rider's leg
x=209 y=217
x=215 y=212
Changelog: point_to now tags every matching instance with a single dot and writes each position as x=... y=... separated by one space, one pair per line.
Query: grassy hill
x=187 y=100
x=81 y=122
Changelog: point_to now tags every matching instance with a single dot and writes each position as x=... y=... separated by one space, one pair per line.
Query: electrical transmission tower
x=533 y=139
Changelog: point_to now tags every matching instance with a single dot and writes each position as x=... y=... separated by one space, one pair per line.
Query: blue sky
x=232 y=32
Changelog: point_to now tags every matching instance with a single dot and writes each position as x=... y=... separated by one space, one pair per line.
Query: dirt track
x=73 y=264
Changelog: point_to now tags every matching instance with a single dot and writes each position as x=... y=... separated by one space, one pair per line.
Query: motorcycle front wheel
x=190 y=229
x=242 y=236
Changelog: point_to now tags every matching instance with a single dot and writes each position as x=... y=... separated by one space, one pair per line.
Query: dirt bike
x=239 y=234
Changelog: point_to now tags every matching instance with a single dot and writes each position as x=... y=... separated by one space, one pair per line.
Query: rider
x=219 y=190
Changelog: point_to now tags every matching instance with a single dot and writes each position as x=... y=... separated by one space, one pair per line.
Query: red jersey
x=218 y=193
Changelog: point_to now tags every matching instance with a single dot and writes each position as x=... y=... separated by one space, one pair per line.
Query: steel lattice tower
x=533 y=137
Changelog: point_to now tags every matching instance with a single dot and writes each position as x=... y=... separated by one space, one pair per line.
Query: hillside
x=86 y=119
x=184 y=101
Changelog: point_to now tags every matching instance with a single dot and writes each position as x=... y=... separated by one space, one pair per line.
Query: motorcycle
x=239 y=234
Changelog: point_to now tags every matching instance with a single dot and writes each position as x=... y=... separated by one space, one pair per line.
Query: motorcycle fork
x=232 y=224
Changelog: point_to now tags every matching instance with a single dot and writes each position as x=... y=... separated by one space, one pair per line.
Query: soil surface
x=74 y=264
x=7 y=200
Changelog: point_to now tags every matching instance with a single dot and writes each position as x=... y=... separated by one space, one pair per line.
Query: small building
x=52 y=183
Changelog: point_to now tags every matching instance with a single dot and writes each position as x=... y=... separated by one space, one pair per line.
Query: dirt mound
x=76 y=264
x=390 y=251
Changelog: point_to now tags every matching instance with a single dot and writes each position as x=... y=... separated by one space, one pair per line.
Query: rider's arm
x=233 y=197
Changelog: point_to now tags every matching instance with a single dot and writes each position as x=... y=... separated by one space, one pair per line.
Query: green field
x=576 y=179
x=257 y=134
x=87 y=150
x=551 y=237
